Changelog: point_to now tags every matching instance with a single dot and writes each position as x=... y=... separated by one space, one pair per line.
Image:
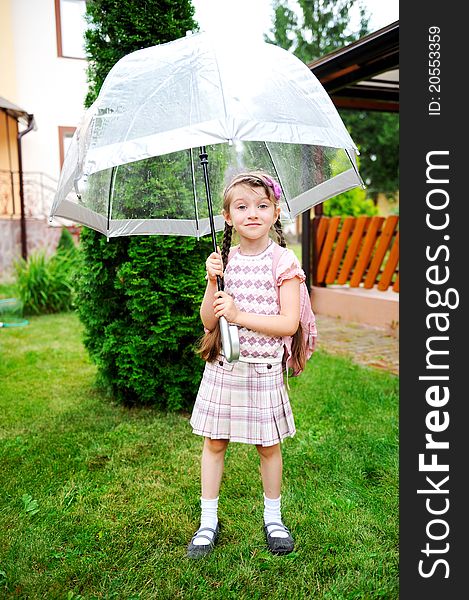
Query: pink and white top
x=249 y=279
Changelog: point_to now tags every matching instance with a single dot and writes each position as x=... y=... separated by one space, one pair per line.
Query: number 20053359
x=434 y=71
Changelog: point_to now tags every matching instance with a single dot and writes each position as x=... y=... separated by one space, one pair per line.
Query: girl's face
x=251 y=212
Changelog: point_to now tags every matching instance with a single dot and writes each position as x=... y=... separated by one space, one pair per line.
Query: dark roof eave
x=374 y=43
x=358 y=63
x=366 y=104
x=14 y=111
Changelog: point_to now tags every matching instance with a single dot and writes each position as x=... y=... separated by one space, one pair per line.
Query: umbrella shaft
x=204 y=162
x=229 y=334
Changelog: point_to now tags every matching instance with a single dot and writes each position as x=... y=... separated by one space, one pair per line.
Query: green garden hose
x=11 y=313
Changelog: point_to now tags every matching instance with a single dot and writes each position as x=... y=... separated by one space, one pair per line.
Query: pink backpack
x=307 y=318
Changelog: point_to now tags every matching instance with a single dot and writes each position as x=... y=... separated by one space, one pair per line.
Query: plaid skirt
x=243 y=402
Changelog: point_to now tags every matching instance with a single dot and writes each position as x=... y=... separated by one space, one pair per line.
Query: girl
x=246 y=401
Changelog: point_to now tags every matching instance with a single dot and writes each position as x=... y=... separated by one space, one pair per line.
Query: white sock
x=272 y=515
x=209 y=518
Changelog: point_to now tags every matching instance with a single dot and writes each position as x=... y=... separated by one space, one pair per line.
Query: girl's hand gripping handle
x=214 y=266
x=229 y=340
x=229 y=333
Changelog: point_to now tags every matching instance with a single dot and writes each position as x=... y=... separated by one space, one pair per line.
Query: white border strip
x=328 y=189
x=121 y=227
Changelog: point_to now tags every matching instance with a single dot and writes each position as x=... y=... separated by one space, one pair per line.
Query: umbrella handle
x=229 y=340
x=229 y=333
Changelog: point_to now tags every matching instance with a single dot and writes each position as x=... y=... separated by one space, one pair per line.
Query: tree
x=322 y=28
x=377 y=136
x=118 y=28
x=139 y=297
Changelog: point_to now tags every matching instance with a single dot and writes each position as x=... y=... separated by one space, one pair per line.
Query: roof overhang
x=14 y=111
x=365 y=74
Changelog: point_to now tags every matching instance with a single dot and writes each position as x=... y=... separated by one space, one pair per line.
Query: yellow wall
x=8 y=142
x=386 y=207
x=9 y=191
x=7 y=56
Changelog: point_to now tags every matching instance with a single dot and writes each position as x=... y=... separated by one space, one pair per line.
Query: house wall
x=40 y=237
x=53 y=88
x=7 y=72
x=9 y=184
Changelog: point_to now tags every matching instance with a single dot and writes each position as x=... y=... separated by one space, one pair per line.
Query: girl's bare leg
x=213 y=460
x=271 y=472
x=271 y=469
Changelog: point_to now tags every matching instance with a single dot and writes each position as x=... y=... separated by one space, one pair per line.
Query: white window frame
x=62 y=50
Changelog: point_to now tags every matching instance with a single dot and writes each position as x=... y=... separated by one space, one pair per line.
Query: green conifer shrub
x=139 y=297
x=140 y=306
x=66 y=242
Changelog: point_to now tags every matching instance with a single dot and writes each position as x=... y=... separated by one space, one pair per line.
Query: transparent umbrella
x=174 y=122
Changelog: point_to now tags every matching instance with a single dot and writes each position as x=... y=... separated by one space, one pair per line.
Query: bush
x=139 y=300
x=352 y=203
x=66 y=242
x=139 y=297
x=45 y=284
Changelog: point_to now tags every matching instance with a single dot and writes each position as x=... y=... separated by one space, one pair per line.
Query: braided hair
x=279 y=232
x=226 y=245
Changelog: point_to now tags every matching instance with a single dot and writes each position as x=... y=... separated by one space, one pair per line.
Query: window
x=65 y=137
x=70 y=26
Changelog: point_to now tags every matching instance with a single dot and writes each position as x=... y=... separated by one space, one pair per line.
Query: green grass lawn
x=7 y=289
x=100 y=501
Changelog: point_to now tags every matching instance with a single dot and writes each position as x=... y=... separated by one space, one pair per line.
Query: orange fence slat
x=390 y=267
x=321 y=234
x=339 y=251
x=383 y=244
x=367 y=249
x=360 y=227
x=327 y=248
x=355 y=249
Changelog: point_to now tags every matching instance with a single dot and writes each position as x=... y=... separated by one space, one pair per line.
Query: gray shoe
x=199 y=551
x=279 y=545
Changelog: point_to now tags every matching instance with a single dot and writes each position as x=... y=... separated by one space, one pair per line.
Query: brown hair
x=210 y=345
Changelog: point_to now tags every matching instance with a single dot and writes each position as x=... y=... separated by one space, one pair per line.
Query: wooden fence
x=356 y=250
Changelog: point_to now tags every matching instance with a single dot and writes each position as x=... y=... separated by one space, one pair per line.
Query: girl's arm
x=207 y=315
x=286 y=323
x=214 y=266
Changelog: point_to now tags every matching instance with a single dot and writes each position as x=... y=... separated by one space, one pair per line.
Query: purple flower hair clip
x=275 y=187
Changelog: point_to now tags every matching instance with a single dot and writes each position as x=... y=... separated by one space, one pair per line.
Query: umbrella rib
x=355 y=168
x=109 y=199
x=221 y=86
x=195 y=192
x=278 y=177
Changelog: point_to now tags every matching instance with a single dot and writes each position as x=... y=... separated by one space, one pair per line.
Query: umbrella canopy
x=133 y=167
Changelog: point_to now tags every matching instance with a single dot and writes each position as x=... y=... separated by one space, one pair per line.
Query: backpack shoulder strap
x=278 y=251
x=232 y=252
x=277 y=254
